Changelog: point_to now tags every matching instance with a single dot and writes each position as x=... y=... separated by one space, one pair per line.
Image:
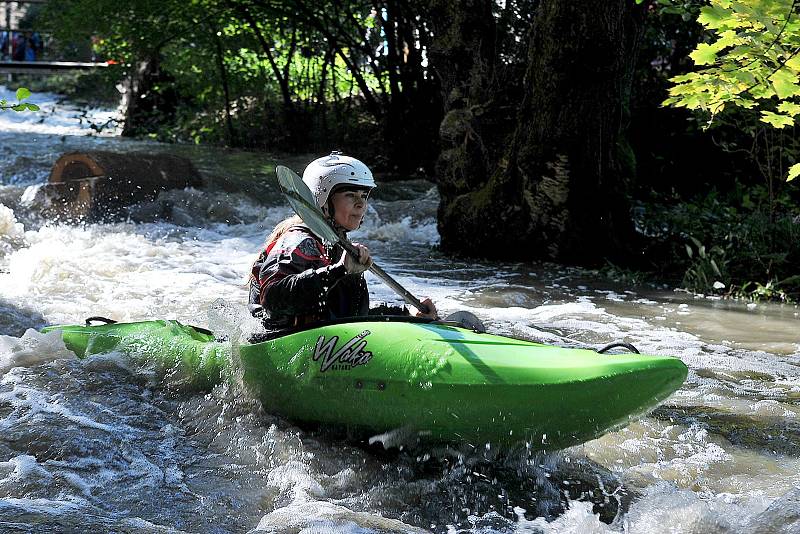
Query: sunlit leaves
x=785 y=83
x=789 y=108
x=705 y=54
x=794 y=171
x=716 y=17
x=794 y=63
x=776 y=120
x=749 y=60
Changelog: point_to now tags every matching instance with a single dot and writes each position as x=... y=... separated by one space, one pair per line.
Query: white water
x=114 y=444
x=56 y=117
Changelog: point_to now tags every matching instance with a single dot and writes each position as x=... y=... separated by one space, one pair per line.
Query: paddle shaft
x=387 y=279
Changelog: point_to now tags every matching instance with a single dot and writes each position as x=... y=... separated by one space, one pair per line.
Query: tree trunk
x=145 y=107
x=559 y=190
x=281 y=77
x=226 y=93
x=462 y=55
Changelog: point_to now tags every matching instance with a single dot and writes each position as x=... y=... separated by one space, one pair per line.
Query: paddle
x=302 y=201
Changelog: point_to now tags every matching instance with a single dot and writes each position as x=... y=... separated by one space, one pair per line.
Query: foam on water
x=405 y=231
x=33 y=348
x=9 y=227
x=325 y=517
x=122 y=272
x=12 y=235
x=56 y=118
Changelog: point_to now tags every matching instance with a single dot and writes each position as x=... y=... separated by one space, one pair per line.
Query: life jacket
x=255 y=272
x=280 y=299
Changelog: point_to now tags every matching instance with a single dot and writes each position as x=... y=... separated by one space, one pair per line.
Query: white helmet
x=325 y=173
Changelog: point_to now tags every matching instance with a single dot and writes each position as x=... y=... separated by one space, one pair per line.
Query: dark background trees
x=540 y=121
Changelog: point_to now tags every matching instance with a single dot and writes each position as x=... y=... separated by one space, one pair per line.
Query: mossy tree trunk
x=463 y=56
x=558 y=189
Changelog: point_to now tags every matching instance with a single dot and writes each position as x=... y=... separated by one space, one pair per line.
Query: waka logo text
x=351 y=354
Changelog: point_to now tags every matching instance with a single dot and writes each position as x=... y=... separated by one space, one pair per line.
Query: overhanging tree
x=750 y=61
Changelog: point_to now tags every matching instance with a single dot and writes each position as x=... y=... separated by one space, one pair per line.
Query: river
x=113 y=444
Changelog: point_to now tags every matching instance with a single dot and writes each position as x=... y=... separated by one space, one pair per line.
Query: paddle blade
x=302 y=201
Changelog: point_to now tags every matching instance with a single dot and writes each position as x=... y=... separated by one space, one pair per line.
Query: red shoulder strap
x=269 y=247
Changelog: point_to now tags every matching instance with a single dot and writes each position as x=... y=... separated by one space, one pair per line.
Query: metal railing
x=28 y=50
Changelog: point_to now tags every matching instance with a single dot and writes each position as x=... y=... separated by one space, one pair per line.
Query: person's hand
x=431 y=313
x=357 y=265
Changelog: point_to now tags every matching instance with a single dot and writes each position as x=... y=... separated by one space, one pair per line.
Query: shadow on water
x=15 y=320
x=439 y=487
x=514 y=485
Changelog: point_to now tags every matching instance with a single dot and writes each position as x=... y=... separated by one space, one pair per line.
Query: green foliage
x=247 y=71
x=769 y=291
x=731 y=241
x=750 y=61
x=22 y=94
x=707 y=268
x=624 y=275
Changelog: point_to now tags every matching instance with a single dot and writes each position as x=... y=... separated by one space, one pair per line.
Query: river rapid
x=117 y=444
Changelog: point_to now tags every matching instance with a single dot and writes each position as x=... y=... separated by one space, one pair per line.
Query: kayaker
x=297 y=279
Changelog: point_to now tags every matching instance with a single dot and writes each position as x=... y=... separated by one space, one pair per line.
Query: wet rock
x=781 y=517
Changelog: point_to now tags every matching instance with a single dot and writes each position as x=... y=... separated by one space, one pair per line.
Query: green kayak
x=440 y=382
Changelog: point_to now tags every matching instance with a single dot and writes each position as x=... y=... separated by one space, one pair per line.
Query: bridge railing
x=29 y=49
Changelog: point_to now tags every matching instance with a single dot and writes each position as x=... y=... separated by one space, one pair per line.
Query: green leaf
x=776 y=120
x=745 y=77
x=23 y=93
x=689 y=251
x=785 y=83
x=20 y=107
x=789 y=108
x=794 y=171
x=763 y=91
x=715 y=17
x=33 y=107
x=728 y=38
x=683 y=77
x=704 y=54
x=794 y=63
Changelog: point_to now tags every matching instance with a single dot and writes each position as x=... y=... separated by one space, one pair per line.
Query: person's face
x=349 y=207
